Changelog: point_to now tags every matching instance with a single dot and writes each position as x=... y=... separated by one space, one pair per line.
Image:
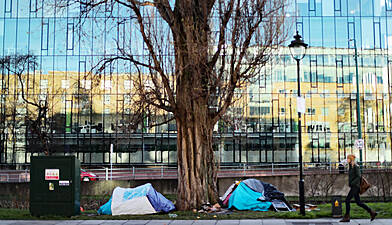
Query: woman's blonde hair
x=352 y=157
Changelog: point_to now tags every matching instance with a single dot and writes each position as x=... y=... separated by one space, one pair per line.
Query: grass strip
x=384 y=210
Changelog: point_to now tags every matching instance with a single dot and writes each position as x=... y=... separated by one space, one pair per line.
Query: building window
x=106 y=99
x=86 y=84
x=255 y=111
x=265 y=110
x=45 y=36
x=324 y=111
x=127 y=85
x=2 y=99
x=8 y=6
x=21 y=111
x=63 y=98
x=85 y=111
x=42 y=97
x=236 y=111
x=43 y=84
x=3 y=84
x=33 y=5
x=65 y=84
x=325 y=94
x=70 y=36
x=311 y=111
x=127 y=99
x=337 y=5
x=106 y=85
x=312 y=5
x=388 y=4
x=282 y=111
x=341 y=111
x=341 y=94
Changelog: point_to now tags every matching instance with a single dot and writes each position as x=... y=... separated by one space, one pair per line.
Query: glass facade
x=88 y=113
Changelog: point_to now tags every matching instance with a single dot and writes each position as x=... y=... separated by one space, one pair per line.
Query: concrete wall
x=286 y=184
x=106 y=187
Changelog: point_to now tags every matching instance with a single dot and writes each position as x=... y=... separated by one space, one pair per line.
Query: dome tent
x=253 y=194
x=244 y=198
x=141 y=200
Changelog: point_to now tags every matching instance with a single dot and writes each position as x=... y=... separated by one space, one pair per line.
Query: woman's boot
x=346 y=218
x=373 y=215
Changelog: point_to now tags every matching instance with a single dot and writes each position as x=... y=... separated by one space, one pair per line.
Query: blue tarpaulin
x=244 y=198
x=106 y=209
x=132 y=200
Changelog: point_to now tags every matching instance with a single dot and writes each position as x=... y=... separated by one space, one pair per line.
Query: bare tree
x=313 y=185
x=197 y=54
x=381 y=184
x=36 y=114
x=327 y=183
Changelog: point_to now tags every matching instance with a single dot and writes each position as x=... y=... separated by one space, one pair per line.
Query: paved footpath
x=199 y=222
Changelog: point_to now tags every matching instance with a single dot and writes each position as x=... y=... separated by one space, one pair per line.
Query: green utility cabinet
x=54 y=185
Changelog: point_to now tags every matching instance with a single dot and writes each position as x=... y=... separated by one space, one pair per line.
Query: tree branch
x=153 y=55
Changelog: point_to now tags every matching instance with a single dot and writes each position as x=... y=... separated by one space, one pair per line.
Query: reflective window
x=98 y=109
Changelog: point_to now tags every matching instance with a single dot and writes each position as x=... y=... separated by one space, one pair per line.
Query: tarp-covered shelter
x=143 y=199
x=252 y=194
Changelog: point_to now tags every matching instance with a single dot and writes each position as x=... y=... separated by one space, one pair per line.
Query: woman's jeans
x=354 y=192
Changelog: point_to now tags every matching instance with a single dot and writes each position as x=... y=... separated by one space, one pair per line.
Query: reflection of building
x=329 y=86
x=88 y=114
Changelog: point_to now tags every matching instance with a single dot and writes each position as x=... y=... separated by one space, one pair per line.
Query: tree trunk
x=196 y=166
x=197 y=176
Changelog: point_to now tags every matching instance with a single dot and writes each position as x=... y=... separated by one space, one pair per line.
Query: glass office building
x=87 y=114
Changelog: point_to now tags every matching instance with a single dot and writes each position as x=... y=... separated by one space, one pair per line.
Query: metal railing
x=239 y=170
x=16 y=176
x=136 y=173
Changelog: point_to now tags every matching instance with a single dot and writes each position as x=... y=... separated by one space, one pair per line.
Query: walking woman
x=354 y=181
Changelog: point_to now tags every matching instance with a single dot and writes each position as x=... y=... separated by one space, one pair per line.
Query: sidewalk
x=200 y=222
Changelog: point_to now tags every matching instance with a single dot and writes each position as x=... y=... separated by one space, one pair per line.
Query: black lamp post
x=358 y=102
x=298 y=50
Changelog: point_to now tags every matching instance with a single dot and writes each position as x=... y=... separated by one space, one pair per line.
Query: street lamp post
x=291 y=114
x=298 y=50
x=358 y=100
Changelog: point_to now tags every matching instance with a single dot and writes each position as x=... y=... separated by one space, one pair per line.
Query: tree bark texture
x=197 y=180
x=196 y=167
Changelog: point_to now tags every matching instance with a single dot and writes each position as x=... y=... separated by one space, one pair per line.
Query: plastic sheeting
x=106 y=209
x=228 y=192
x=131 y=201
x=244 y=198
x=140 y=200
x=255 y=185
x=134 y=206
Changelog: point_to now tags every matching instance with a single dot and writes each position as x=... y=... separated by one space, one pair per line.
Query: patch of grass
x=171 y=197
x=384 y=210
x=327 y=199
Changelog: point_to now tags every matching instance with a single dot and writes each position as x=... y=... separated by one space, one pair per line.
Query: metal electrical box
x=54 y=185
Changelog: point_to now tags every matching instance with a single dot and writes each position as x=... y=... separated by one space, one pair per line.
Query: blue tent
x=244 y=198
x=140 y=200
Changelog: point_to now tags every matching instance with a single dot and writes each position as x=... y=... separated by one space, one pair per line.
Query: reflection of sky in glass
x=326 y=25
x=25 y=29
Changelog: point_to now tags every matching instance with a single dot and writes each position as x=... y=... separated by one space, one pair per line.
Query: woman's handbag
x=364 y=185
